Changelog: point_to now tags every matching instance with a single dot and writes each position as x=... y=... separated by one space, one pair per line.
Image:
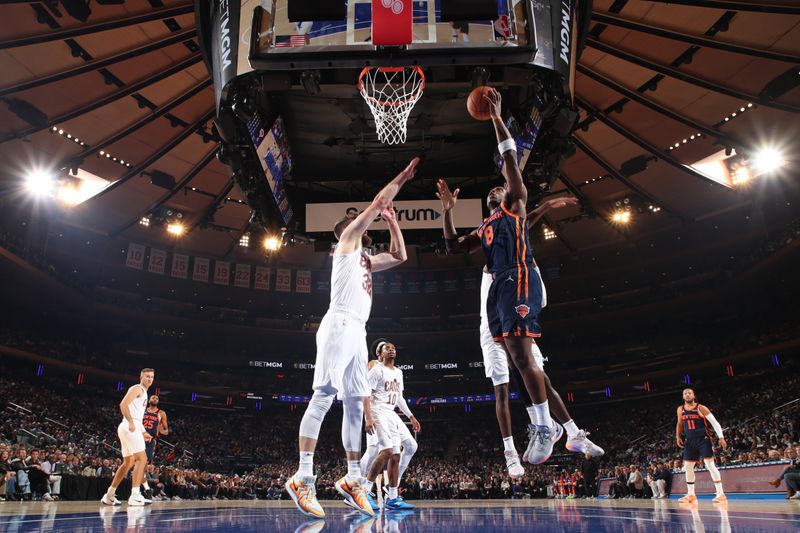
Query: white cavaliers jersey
x=387 y=386
x=138 y=406
x=351 y=284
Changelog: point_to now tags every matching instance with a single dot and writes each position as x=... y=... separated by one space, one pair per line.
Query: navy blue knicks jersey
x=504 y=238
x=694 y=424
x=150 y=423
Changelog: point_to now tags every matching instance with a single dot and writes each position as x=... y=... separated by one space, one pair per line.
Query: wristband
x=507 y=146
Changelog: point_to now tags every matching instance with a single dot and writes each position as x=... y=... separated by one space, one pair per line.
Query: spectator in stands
x=51 y=468
x=5 y=473
x=790 y=476
x=635 y=483
x=19 y=486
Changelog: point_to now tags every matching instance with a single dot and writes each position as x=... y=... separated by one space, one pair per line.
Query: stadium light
x=767 y=160
x=621 y=216
x=244 y=240
x=40 y=183
x=272 y=244
x=176 y=229
x=549 y=234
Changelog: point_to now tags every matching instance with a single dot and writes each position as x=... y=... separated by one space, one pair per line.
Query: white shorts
x=341 y=365
x=132 y=443
x=495 y=362
x=390 y=431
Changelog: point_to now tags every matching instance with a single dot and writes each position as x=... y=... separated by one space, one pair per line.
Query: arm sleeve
x=714 y=424
x=401 y=403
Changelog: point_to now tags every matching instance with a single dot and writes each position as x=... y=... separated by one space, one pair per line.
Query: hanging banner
x=322 y=281
x=262 y=278
x=283 y=280
x=396 y=284
x=201 y=269
x=222 y=272
x=378 y=284
x=135 y=257
x=412 y=283
x=180 y=266
x=431 y=284
x=218 y=32
x=303 y=281
x=157 y=262
x=242 y=276
x=417 y=214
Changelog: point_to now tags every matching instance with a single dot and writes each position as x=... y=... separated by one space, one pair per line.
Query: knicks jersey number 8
x=488 y=235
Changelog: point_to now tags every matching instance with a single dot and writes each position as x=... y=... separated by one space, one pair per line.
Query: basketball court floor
x=634 y=516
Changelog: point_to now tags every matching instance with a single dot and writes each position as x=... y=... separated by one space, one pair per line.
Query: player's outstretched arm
x=517 y=195
x=350 y=239
x=453 y=243
x=706 y=412
x=548 y=205
x=679 y=430
x=397 y=248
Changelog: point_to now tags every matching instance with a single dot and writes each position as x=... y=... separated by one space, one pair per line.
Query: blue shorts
x=697 y=448
x=514 y=304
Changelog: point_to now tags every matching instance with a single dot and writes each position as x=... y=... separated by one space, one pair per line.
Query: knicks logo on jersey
x=522 y=310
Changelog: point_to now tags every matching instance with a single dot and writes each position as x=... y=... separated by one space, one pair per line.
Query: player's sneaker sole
x=290 y=488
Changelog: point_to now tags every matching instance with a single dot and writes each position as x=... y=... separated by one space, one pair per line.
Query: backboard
x=360 y=39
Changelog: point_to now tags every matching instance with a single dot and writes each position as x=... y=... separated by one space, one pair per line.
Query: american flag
x=288 y=41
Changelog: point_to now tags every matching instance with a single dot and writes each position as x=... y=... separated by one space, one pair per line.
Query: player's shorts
x=131 y=443
x=341 y=364
x=386 y=432
x=697 y=448
x=514 y=304
x=495 y=361
x=150 y=449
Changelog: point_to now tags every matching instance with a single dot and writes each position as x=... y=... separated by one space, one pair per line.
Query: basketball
x=477 y=105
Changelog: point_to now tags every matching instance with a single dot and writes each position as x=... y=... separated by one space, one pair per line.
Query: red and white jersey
x=351 y=284
x=387 y=386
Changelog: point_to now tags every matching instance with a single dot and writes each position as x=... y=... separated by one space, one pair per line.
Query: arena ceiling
x=125 y=96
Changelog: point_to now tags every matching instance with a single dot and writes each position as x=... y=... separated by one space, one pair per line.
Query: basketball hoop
x=390 y=93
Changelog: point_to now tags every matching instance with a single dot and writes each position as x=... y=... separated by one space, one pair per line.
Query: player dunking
x=495 y=359
x=392 y=434
x=155 y=423
x=693 y=422
x=132 y=437
x=341 y=363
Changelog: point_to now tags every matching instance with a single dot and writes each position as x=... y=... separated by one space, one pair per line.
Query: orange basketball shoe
x=304 y=493
x=689 y=498
x=355 y=495
x=720 y=498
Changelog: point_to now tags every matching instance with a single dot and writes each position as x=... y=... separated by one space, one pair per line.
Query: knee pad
x=315 y=413
x=410 y=447
x=352 y=417
x=689 y=466
x=712 y=469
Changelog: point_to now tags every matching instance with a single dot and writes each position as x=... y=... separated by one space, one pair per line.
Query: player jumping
x=495 y=360
x=341 y=363
x=693 y=421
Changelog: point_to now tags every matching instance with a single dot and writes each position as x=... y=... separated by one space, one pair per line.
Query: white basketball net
x=391 y=94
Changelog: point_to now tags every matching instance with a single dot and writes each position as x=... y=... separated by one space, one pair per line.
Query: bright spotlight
x=621 y=216
x=767 y=160
x=69 y=195
x=40 y=183
x=176 y=229
x=272 y=244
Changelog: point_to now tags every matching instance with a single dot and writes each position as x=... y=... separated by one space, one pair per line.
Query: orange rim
x=383 y=103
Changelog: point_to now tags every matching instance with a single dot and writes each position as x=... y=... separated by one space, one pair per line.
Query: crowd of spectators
x=46 y=434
